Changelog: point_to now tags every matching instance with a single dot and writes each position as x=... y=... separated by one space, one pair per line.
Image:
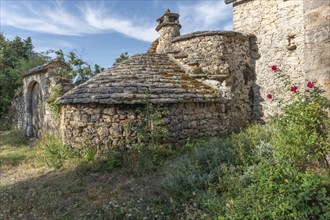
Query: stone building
x=210 y=82
x=203 y=79
x=32 y=112
x=293 y=34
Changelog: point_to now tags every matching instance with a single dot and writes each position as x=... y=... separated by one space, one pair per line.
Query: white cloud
x=55 y=18
x=205 y=15
x=99 y=18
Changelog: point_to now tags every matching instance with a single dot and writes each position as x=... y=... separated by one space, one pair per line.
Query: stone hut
x=99 y=110
x=203 y=79
x=33 y=110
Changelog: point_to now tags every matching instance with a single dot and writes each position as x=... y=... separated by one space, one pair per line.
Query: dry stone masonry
x=291 y=34
x=38 y=83
x=221 y=60
x=209 y=82
x=100 y=110
x=203 y=79
x=108 y=125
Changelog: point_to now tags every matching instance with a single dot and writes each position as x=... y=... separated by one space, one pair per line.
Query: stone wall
x=104 y=125
x=279 y=29
x=166 y=36
x=17 y=111
x=46 y=79
x=222 y=60
x=293 y=34
x=317 y=42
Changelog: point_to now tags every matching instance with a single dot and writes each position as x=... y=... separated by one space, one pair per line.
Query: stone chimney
x=168 y=28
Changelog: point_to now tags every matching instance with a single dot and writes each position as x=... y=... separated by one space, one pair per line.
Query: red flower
x=269 y=96
x=274 y=68
x=294 y=89
x=310 y=84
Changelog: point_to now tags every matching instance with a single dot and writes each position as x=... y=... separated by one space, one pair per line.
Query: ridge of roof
x=209 y=33
x=155 y=76
x=45 y=66
x=229 y=1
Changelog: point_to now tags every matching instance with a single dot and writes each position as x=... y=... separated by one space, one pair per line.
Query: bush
x=54 y=153
x=199 y=169
x=273 y=174
x=101 y=163
x=279 y=191
x=303 y=128
x=246 y=176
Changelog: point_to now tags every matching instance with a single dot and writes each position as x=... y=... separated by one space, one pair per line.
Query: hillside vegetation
x=253 y=174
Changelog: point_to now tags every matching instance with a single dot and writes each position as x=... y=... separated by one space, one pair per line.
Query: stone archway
x=34 y=110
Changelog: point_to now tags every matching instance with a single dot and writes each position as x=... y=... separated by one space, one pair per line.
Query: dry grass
x=31 y=190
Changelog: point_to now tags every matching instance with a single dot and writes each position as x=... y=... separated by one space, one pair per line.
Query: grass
x=213 y=178
x=14 y=149
x=81 y=188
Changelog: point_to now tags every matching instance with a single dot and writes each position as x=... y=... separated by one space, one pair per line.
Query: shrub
x=279 y=191
x=101 y=163
x=199 y=169
x=304 y=125
x=54 y=153
x=246 y=176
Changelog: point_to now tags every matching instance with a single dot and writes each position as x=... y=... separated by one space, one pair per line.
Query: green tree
x=16 y=57
x=122 y=57
x=80 y=71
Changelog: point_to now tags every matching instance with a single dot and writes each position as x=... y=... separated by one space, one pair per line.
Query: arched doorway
x=35 y=110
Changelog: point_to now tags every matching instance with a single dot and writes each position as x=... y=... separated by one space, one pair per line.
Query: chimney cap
x=168 y=18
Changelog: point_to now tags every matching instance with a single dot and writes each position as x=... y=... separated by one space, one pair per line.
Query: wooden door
x=35 y=110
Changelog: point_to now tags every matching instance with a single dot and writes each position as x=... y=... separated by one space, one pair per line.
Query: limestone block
x=116 y=130
x=95 y=117
x=103 y=132
x=85 y=117
x=89 y=129
x=76 y=116
x=109 y=111
x=107 y=118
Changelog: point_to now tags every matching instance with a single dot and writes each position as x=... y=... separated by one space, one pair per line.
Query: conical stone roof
x=142 y=75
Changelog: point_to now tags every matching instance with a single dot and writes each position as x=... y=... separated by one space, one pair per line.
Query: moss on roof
x=129 y=82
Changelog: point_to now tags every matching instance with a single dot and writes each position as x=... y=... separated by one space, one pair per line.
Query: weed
x=13 y=149
x=13 y=138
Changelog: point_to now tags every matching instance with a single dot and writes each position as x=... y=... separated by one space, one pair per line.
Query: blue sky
x=99 y=30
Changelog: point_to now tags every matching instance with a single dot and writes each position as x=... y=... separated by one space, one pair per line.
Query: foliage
x=244 y=176
x=151 y=129
x=280 y=191
x=13 y=148
x=121 y=58
x=151 y=133
x=16 y=57
x=304 y=126
x=100 y=163
x=54 y=153
x=79 y=70
x=204 y=178
x=56 y=92
x=273 y=171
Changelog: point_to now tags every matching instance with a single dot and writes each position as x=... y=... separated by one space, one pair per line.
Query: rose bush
x=304 y=124
x=277 y=170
